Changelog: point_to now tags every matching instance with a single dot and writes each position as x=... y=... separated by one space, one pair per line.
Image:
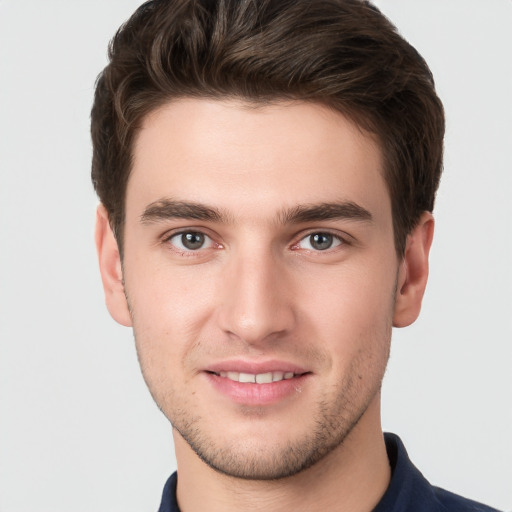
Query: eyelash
x=184 y=251
x=337 y=240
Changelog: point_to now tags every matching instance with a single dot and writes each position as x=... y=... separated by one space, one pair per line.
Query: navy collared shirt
x=407 y=491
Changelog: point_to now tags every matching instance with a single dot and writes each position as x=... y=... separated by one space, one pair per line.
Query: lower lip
x=258 y=394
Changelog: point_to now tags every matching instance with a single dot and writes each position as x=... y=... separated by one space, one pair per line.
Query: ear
x=111 y=269
x=413 y=272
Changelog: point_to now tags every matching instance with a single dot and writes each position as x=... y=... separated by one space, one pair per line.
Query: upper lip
x=255 y=368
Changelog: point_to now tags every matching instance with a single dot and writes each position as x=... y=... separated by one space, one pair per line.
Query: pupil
x=192 y=240
x=321 y=241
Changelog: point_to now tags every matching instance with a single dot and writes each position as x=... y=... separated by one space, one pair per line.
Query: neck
x=354 y=476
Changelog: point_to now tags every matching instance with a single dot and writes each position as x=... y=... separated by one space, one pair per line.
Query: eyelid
x=178 y=236
x=343 y=238
x=169 y=235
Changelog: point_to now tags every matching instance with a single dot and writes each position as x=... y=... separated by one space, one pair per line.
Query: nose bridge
x=256 y=302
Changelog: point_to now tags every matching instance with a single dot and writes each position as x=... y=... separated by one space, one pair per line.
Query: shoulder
x=410 y=490
x=451 y=502
x=169 y=502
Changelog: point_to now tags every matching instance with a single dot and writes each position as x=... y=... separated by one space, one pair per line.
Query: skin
x=259 y=292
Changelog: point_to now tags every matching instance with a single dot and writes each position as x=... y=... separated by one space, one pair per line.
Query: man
x=267 y=173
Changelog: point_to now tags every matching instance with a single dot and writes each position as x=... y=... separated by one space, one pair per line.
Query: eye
x=190 y=241
x=319 y=242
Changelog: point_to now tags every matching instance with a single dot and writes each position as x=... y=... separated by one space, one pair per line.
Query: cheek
x=166 y=297
x=169 y=310
x=352 y=307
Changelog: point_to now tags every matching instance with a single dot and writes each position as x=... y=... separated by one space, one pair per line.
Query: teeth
x=260 y=378
x=264 y=378
x=247 y=377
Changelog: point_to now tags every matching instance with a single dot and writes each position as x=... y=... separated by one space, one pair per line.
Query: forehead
x=238 y=156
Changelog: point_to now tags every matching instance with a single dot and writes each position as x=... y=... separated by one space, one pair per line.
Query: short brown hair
x=341 y=53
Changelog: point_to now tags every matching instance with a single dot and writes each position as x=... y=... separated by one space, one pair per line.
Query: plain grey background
x=78 y=429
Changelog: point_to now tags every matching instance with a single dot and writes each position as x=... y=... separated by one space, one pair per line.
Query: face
x=260 y=274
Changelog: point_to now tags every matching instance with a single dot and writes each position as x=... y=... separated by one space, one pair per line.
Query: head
x=342 y=54
x=266 y=172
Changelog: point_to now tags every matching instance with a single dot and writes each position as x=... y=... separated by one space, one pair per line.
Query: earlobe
x=413 y=272
x=111 y=269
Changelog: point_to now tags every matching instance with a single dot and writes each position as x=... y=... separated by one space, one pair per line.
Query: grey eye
x=190 y=241
x=321 y=241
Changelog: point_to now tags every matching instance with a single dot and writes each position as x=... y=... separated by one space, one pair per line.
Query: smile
x=258 y=378
x=258 y=384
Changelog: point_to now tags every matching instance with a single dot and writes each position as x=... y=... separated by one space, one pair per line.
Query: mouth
x=258 y=384
x=257 y=378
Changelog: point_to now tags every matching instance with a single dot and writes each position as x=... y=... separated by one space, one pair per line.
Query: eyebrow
x=167 y=209
x=326 y=211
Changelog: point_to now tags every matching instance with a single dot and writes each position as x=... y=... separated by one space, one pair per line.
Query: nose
x=256 y=303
